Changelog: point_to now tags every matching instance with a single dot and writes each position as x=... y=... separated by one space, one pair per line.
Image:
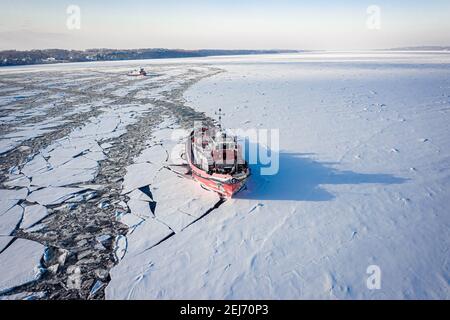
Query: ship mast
x=220 y=114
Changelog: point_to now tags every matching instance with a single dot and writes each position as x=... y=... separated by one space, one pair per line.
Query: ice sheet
x=363 y=180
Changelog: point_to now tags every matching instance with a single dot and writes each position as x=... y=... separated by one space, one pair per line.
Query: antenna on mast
x=220 y=114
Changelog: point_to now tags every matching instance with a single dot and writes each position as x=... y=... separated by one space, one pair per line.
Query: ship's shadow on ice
x=301 y=178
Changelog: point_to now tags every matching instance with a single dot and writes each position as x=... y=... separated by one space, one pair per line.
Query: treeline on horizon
x=15 y=57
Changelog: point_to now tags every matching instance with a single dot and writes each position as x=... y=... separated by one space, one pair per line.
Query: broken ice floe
x=53 y=195
x=140 y=194
x=5 y=241
x=16 y=194
x=20 y=264
x=140 y=208
x=17 y=180
x=156 y=154
x=10 y=212
x=10 y=220
x=139 y=175
x=147 y=235
x=72 y=172
x=9 y=198
x=32 y=215
x=35 y=166
x=131 y=220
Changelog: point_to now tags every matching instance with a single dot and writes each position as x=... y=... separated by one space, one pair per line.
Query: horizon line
x=235 y=49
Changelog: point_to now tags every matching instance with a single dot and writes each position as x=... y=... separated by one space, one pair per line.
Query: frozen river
x=361 y=180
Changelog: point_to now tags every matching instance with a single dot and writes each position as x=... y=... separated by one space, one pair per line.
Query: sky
x=226 y=24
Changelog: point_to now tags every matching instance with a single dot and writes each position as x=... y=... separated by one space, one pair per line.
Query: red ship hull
x=211 y=182
x=227 y=185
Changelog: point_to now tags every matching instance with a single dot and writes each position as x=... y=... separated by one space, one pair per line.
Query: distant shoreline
x=54 y=56
x=421 y=48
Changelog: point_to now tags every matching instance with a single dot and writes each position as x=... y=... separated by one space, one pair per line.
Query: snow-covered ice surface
x=95 y=202
x=363 y=180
